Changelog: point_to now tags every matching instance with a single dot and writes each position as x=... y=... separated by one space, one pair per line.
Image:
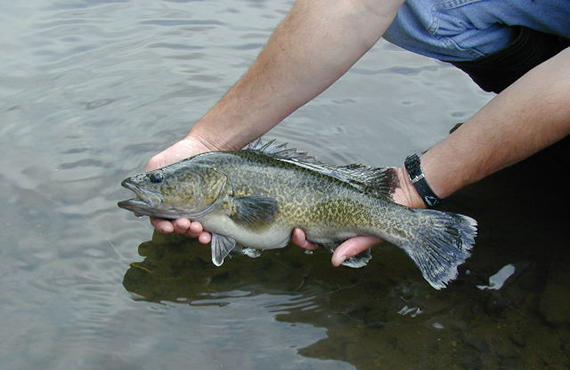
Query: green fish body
x=256 y=196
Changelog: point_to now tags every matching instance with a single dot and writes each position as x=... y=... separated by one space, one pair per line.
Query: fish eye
x=156 y=177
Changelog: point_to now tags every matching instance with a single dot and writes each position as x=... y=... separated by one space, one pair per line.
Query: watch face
x=412 y=164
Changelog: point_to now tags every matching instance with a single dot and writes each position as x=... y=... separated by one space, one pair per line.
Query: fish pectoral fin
x=358 y=261
x=254 y=210
x=221 y=247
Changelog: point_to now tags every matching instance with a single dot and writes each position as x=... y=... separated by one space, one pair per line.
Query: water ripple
x=175 y=23
x=90 y=90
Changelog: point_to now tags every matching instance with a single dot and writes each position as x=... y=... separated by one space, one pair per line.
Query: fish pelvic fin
x=253 y=211
x=221 y=247
x=440 y=245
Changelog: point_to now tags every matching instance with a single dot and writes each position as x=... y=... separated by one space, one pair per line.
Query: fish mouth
x=149 y=203
x=145 y=203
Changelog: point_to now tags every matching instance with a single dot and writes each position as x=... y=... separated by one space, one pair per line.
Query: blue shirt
x=462 y=30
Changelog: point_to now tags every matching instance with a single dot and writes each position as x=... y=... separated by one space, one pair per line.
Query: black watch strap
x=414 y=168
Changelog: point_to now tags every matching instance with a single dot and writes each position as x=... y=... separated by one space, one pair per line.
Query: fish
x=253 y=198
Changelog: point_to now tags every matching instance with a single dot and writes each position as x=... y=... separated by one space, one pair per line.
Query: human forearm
x=530 y=115
x=314 y=45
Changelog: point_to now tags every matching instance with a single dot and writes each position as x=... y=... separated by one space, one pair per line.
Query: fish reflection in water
x=382 y=317
x=347 y=302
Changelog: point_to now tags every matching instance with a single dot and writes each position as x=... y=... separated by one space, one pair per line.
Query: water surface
x=90 y=90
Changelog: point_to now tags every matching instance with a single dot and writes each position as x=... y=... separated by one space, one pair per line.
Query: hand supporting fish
x=255 y=197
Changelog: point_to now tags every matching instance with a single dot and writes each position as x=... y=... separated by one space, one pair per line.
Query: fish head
x=182 y=190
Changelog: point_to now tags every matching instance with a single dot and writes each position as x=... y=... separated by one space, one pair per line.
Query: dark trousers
x=497 y=71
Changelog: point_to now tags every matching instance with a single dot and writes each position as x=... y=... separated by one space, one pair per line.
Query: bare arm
x=530 y=115
x=315 y=44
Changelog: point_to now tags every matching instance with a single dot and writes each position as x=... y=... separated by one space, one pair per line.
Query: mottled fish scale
x=255 y=197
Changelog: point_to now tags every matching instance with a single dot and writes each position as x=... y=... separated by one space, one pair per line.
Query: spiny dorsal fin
x=377 y=181
x=279 y=150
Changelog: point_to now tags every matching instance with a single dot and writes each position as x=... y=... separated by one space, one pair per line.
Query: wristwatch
x=417 y=177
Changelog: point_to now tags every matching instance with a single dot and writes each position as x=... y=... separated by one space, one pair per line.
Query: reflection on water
x=497 y=281
x=508 y=309
x=90 y=89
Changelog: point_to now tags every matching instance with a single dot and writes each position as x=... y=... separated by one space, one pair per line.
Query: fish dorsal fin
x=274 y=149
x=377 y=181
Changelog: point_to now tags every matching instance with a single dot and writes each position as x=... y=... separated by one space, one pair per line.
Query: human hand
x=185 y=148
x=405 y=194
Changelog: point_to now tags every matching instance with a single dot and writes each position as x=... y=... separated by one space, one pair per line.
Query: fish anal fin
x=358 y=261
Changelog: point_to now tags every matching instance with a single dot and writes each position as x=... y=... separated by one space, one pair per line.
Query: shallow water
x=90 y=90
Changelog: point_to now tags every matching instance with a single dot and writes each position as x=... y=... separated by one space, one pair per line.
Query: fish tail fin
x=440 y=245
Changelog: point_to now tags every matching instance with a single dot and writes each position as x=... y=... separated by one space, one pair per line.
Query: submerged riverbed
x=90 y=90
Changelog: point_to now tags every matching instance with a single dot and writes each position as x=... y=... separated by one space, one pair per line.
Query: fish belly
x=325 y=235
x=270 y=237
